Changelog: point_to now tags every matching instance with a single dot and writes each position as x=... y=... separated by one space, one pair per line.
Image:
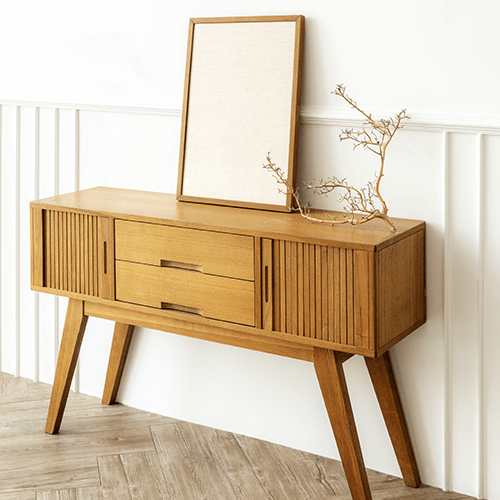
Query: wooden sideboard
x=266 y=281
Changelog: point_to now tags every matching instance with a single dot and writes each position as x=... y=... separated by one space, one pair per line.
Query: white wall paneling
x=441 y=172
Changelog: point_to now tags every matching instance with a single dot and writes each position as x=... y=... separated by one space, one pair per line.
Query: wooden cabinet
x=268 y=281
x=358 y=290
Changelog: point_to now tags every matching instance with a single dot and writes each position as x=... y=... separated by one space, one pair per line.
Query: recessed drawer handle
x=181 y=265
x=176 y=307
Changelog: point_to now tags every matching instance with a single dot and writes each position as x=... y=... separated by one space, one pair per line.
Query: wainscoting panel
x=448 y=370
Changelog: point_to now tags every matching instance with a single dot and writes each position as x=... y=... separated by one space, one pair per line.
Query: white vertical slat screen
x=36 y=326
x=41 y=151
x=446 y=314
x=8 y=256
x=480 y=317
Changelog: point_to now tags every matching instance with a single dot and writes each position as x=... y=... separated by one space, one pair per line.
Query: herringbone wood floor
x=119 y=453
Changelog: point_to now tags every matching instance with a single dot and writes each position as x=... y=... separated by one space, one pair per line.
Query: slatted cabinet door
x=359 y=299
x=72 y=253
x=319 y=292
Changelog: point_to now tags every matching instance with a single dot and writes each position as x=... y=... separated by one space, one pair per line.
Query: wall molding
x=137 y=110
x=338 y=117
x=435 y=122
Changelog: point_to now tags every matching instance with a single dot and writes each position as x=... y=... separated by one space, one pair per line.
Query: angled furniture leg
x=384 y=383
x=74 y=329
x=119 y=350
x=331 y=378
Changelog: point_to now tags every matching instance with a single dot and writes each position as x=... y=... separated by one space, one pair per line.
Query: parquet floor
x=120 y=453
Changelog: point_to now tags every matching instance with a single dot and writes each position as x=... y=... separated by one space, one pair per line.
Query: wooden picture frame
x=241 y=101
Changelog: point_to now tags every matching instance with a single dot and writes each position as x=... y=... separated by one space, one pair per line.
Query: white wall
x=90 y=95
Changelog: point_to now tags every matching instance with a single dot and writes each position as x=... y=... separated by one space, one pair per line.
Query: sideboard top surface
x=164 y=208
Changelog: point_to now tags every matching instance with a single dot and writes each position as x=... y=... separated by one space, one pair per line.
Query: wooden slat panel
x=78 y=254
x=364 y=321
x=53 y=250
x=337 y=296
x=46 y=247
x=294 y=289
x=343 y=296
x=276 y=286
x=95 y=253
x=289 y=291
x=37 y=267
x=282 y=295
x=319 y=292
x=350 y=296
x=307 y=311
x=300 y=288
x=331 y=294
x=86 y=256
x=60 y=241
x=324 y=293
x=69 y=252
x=90 y=255
x=63 y=264
x=73 y=252
x=312 y=291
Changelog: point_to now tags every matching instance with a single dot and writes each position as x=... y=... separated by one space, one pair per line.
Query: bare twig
x=362 y=201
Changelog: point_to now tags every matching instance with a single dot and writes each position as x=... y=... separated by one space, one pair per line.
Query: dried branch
x=361 y=201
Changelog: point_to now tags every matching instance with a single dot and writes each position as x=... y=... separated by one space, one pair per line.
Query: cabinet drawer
x=215 y=297
x=222 y=254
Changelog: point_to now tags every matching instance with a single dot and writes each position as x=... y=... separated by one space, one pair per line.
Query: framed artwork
x=241 y=101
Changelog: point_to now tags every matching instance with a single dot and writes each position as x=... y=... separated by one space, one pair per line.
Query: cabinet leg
x=119 y=350
x=74 y=329
x=384 y=383
x=331 y=378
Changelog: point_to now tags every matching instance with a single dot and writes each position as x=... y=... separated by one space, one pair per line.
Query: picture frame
x=241 y=102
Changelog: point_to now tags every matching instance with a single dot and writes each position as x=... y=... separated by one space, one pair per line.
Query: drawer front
x=210 y=252
x=215 y=297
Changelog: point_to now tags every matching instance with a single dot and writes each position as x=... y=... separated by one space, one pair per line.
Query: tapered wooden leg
x=384 y=383
x=74 y=329
x=119 y=350
x=331 y=378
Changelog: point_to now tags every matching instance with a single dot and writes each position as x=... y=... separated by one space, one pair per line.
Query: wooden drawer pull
x=181 y=265
x=185 y=309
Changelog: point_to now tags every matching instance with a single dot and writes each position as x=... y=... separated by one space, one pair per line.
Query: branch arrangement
x=375 y=136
